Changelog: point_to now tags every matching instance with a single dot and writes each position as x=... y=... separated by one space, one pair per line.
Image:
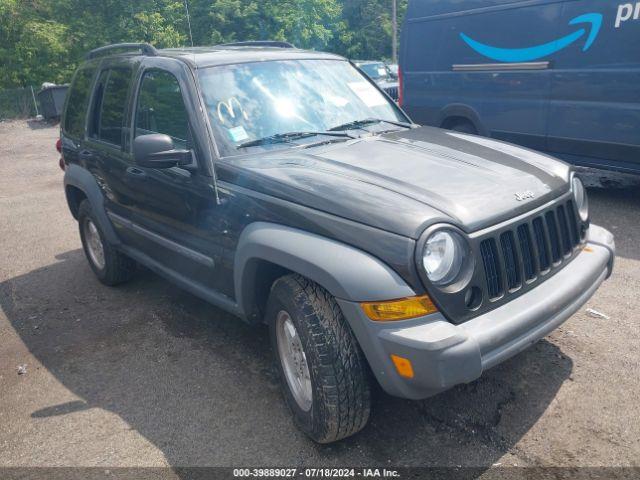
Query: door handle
x=136 y=172
x=85 y=154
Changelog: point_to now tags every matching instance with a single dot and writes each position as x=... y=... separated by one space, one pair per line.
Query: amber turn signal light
x=403 y=366
x=401 y=309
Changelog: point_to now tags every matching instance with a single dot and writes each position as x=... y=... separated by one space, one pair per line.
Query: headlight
x=580 y=197
x=443 y=256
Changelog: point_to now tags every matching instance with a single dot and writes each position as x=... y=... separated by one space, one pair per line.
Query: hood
x=404 y=181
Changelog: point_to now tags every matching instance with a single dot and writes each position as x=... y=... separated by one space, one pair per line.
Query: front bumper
x=444 y=355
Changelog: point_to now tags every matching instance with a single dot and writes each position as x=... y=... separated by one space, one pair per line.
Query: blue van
x=561 y=77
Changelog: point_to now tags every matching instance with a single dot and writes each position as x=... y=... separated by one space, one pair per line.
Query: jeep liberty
x=285 y=187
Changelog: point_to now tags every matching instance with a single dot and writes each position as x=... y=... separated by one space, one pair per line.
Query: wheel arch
x=460 y=111
x=74 y=196
x=80 y=184
x=267 y=251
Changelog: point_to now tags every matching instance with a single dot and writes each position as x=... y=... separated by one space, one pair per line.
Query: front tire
x=110 y=266
x=323 y=372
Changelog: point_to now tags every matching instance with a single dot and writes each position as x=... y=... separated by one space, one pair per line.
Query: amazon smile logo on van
x=592 y=21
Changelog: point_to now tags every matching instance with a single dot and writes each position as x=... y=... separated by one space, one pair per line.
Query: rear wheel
x=324 y=376
x=110 y=266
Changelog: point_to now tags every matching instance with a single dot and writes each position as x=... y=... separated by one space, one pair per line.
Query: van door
x=447 y=75
x=594 y=114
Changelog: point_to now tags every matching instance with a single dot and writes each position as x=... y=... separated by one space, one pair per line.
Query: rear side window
x=74 y=118
x=161 y=108
x=110 y=103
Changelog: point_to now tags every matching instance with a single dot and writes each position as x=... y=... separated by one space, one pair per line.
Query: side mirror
x=157 y=151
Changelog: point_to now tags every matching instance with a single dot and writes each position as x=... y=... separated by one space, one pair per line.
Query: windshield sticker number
x=367 y=93
x=238 y=134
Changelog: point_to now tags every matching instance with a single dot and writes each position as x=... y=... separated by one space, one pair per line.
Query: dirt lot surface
x=148 y=375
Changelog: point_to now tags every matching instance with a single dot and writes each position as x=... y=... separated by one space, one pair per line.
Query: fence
x=18 y=103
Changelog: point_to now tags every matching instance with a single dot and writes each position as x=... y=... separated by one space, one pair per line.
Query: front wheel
x=324 y=375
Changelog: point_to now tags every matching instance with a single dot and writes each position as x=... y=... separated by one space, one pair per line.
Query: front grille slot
x=564 y=231
x=527 y=253
x=553 y=237
x=491 y=263
x=543 y=254
x=511 y=264
x=573 y=224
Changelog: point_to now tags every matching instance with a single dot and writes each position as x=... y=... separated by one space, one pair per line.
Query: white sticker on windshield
x=238 y=134
x=367 y=93
x=382 y=72
x=337 y=101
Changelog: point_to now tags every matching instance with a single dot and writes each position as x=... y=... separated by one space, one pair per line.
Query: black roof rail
x=145 y=48
x=259 y=43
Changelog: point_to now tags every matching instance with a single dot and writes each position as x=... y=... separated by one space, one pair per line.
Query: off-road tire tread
x=336 y=359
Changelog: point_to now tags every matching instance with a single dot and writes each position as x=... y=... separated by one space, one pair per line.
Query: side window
x=161 y=109
x=74 y=117
x=110 y=103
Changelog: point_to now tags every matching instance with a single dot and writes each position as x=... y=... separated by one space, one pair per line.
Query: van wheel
x=110 y=266
x=464 y=127
x=323 y=373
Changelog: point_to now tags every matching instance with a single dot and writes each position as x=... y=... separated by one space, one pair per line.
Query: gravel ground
x=148 y=375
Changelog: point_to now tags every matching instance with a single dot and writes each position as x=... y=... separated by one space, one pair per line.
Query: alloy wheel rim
x=294 y=361
x=94 y=244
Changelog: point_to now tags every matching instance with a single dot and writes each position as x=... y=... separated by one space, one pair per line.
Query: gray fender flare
x=346 y=272
x=82 y=179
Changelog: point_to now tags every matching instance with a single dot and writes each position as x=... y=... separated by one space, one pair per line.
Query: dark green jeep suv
x=285 y=187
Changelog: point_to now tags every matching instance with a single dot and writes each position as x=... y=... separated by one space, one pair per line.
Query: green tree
x=306 y=23
x=369 y=22
x=44 y=40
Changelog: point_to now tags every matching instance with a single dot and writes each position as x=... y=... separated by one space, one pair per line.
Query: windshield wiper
x=288 y=137
x=323 y=142
x=367 y=121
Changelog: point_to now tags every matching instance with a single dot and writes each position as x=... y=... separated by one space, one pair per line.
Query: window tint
x=161 y=108
x=79 y=92
x=109 y=105
x=94 y=122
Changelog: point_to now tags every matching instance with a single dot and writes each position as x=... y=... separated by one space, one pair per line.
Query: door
x=75 y=115
x=102 y=152
x=477 y=63
x=594 y=116
x=173 y=216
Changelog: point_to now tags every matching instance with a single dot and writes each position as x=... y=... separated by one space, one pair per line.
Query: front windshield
x=253 y=101
x=376 y=71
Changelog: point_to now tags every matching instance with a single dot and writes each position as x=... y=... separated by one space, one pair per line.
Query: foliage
x=44 y=40
x=371 y=27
